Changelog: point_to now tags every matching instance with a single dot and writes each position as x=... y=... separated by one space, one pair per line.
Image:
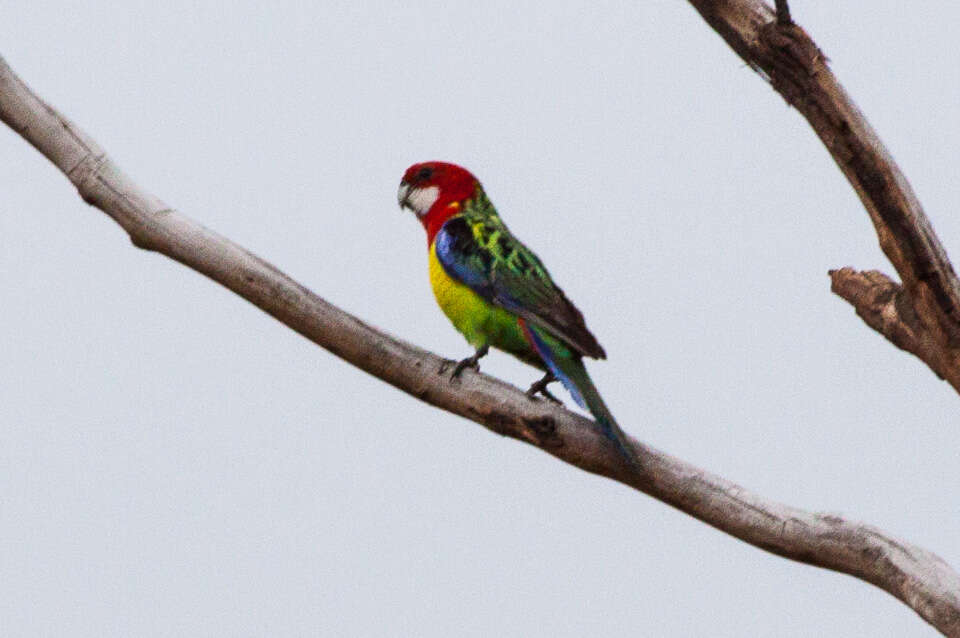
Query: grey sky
x=175 y=462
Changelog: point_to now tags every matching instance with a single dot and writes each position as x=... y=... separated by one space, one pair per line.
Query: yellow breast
x=480 y=322
x=465 y=308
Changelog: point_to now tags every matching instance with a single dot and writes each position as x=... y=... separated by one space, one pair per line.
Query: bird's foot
x=540 y=387
x=470 y=362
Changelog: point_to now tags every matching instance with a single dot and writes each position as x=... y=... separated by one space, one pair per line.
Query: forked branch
x=917 y=577
x=928 y=300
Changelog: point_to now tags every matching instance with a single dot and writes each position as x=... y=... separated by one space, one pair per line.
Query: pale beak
x=403 y=194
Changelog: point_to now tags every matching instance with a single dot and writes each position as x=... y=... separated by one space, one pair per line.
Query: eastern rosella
x=497 y=292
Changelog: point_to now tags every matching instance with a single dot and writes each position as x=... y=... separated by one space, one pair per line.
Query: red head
x=435 y=191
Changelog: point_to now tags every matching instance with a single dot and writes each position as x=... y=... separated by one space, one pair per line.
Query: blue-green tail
x=574 y=374
x=570 y=371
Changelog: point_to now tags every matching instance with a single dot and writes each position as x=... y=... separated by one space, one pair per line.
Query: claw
x=540 y=387
x=470 y=362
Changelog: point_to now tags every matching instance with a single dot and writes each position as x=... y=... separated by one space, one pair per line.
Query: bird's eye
x=425 y=173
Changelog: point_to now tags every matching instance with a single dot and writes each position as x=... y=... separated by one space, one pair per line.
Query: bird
x=497 y=292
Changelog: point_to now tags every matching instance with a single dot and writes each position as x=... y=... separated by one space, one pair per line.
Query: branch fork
x=923 y=314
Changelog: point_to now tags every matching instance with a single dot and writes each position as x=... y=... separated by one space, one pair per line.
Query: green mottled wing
x=477 y=249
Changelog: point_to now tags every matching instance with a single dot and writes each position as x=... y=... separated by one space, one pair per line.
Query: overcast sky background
x=175 y=462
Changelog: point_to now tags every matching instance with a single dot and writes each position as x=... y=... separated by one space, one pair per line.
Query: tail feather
x=570 y=371
x=576 y=374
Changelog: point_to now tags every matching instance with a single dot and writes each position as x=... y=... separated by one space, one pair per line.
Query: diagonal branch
x=789 y=59
x=917 y=577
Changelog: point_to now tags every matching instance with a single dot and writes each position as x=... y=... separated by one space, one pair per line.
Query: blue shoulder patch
x=461 y=257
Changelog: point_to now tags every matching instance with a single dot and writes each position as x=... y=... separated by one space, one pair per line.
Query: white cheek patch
x=422 y=199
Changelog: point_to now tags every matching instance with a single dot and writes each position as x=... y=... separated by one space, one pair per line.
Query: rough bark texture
x=928 y=301
x=915 y=576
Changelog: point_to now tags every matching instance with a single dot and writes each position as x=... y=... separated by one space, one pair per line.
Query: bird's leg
x=540 y=387
x=471 y=362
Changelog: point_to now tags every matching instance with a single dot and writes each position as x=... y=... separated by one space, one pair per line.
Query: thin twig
x=783 y=13
x=917 y=577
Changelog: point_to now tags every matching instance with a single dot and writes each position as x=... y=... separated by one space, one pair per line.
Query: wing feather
x=499 y=268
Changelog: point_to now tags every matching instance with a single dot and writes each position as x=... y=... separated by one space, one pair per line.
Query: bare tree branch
x=884 y=306
x=796 y=68
x=917 y=577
